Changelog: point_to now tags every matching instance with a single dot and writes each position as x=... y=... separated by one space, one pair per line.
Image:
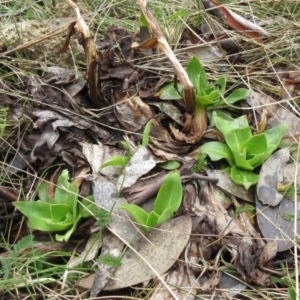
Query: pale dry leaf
x=140 y=164
x=94 y=155
x=271 y=174
x=277 y=222
x=106 y=197
x=227 y=185
x=269 y=252
x=160 y=248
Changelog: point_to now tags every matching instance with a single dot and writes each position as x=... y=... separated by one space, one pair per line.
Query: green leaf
x=208 y=99
x=146 y=133
x=65 y=192
x=65 y=237
x=62 y=223
x=167 y=214
x=257 y=144
x=143 y=21
x=170 y=165
x=236 y=137
x=273 y=136
x=217 y=151
x=226 y=124
x=243 y=177
x=237 y=95
x=255 y=150
x=136 y=212
x=43 y=191
x=292 y=293
x=240 y=160
x=221 y=83
x=169 y=92
x=87 y=204
x=180 y=13
x=127 y=148
x=39 y=213
x=197 y=74
x=169 y=194
x=152 y=220
x=116 y=160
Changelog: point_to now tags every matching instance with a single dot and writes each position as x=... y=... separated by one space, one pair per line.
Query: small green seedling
x=59 y=214
x=166 y=203
x=243 y=151
x=122 y=161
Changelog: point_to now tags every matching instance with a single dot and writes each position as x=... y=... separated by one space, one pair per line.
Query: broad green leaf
x=256 y=150
x=65 y=192
x=152 y=220
x=169 y=194
x=221 y=83
x=257 y=160
x=136 y=212
x=166 y=215
x=273 y=136
x=38 y=213
x=43 y=191
x=116 y=160
x=225 y=124
x=197 y=74
x=62 y=223
x=146 y=133
x=292 y=293
x=87 y=204
x=257 y=144
x=170 y=165
x=236 y=137
x=208 y=99
x=65 y=237
x=240 y=160
x=169 y=92
x=217 y=151
x=243 y=177
x=237 y=95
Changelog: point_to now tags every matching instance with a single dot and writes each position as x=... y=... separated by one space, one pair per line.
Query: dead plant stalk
x=163 y=45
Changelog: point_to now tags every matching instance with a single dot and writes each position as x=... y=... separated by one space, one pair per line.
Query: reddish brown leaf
x=230 y=21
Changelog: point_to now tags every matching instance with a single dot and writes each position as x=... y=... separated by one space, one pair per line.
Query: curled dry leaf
x=237 y=22
x=133 y=113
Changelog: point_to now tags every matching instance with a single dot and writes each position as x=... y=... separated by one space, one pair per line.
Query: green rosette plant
x=62 y=213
